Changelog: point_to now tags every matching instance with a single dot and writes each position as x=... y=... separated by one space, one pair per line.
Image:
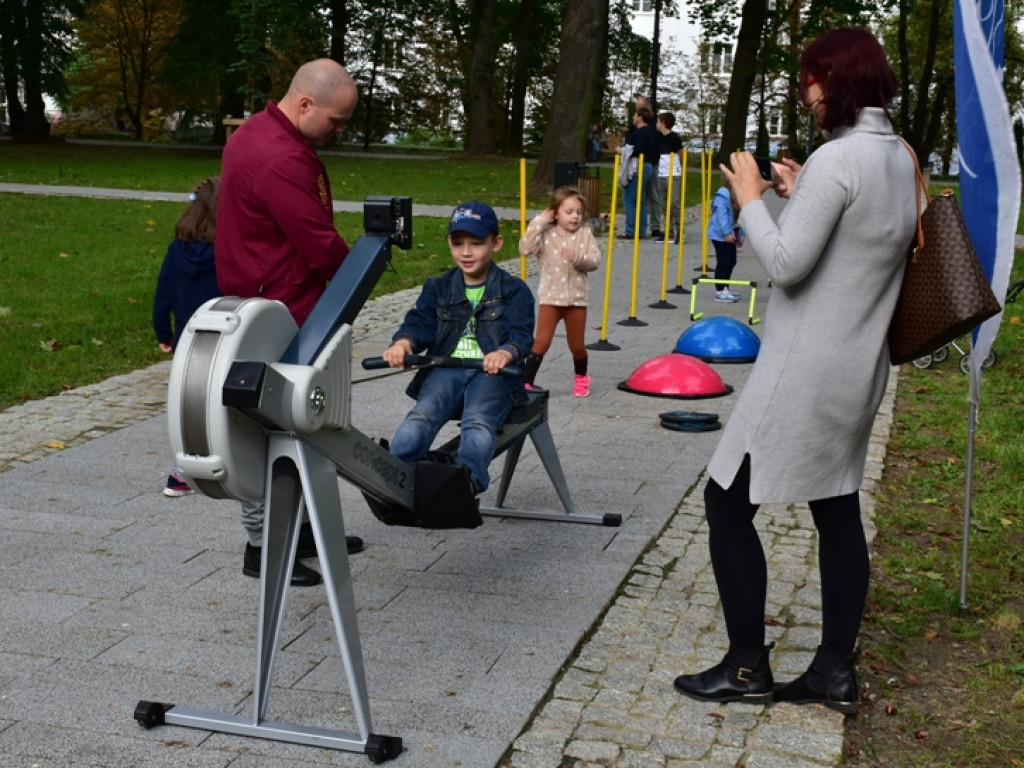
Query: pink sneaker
x=582 y=386
x=528 y=386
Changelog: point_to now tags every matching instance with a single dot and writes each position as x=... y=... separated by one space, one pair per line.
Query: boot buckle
x=743 y=674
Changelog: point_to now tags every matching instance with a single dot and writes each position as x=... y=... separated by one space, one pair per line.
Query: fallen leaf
x=890 y=709
x=5 y=311
x=921 y=735
x=64 y=255
x=56 y=445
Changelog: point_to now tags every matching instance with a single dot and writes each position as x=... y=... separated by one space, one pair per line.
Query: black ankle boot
x=743 y=675
x=830 y=680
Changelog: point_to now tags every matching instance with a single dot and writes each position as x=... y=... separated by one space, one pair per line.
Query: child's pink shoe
x=528 y=386
x=582 y=386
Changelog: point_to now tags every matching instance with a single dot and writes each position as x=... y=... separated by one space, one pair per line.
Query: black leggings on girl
x=742 y=575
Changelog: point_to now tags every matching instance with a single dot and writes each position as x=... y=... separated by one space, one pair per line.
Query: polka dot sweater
x=565 y=258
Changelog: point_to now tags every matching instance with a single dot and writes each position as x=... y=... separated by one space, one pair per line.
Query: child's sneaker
x=726 y=296
x=528 y=387
x=177 y=487
x=581 y=388
x=733 y=293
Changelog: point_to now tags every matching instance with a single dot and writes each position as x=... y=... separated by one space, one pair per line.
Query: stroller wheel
x=988 y=362
x=941 y=353
x=923 y=362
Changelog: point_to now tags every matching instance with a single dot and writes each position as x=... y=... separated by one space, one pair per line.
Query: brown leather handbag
x=945 y=292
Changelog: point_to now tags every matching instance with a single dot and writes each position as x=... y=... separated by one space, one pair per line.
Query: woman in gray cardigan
x=800 y=428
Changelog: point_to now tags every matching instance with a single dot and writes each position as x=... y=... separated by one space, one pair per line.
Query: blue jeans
x=630 y=202
x=485 y=405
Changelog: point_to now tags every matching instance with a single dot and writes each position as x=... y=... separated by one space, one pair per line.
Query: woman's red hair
x=853 y=72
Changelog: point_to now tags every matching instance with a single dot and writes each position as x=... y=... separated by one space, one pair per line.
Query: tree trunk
x=37 y=127
x=479 y=117
x=744 y=70
x=581 y=54
x=10 y=35
x=513 y=144
x=339 y=30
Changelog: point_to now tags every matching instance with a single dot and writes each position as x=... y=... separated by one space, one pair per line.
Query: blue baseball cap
x=476 y=218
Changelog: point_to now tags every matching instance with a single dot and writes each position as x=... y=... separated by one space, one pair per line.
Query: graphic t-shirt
x=468 y=348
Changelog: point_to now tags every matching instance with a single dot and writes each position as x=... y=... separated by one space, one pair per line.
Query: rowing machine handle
x=375 y=363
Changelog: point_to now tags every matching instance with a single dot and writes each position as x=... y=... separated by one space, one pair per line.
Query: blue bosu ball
x=719 y=339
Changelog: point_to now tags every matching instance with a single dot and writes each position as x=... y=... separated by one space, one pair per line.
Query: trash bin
x=567 y=173
x=586 y=180
x=589 y=184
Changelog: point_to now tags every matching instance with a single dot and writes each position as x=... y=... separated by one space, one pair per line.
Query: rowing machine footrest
x=444 y=498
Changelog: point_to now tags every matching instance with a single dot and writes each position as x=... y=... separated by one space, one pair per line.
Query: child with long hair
x=187 y=281
x=566 y=251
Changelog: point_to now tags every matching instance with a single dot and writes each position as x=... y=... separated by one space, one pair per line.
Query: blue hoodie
x=187 y=281
x=722 y=223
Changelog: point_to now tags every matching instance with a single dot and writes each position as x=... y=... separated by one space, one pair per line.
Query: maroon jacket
x=275 y=218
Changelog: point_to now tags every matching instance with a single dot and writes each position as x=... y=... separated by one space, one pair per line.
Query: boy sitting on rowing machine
x=478 y=311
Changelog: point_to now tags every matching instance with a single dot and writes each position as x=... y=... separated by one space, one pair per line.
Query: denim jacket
x=504 y=320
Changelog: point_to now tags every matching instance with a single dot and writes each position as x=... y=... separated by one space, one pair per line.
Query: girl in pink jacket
x=567 y=251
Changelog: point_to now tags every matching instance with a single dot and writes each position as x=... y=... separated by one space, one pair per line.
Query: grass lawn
x=429 y=179
x=77 y=278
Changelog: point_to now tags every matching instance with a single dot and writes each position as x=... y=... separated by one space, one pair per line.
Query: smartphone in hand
x=764 y=165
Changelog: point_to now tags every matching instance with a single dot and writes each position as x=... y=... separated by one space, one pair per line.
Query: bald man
x=275 y=226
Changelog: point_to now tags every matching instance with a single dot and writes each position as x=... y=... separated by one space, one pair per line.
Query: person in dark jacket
x=187 y=280
x=644 y=143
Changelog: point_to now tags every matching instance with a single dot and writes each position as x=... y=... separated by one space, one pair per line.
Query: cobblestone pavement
x=612 y=703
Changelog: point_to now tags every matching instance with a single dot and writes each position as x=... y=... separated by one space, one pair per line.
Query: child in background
x=187 y=281
x=476 y=310
x=567 y=251
x=726 y=237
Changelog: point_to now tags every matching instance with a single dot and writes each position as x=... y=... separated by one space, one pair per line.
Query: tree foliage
x=121 y=53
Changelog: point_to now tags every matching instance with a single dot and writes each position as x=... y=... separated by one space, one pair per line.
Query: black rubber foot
x=150 y=714
x=612 y=520
x=604 y=346
x=632 y=321
x=662 y=305
x=382 y=748
x=678 y=289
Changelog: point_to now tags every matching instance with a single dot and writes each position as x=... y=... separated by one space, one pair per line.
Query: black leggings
x=742 y=574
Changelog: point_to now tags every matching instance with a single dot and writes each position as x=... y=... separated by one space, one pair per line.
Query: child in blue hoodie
x=726 y=237
x=187 y=281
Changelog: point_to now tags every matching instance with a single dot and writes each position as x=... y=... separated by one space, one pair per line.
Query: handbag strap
x=919 y=188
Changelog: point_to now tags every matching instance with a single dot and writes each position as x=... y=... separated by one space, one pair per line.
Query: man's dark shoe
x=830 y=680
x=744 y=675
x=302 y=576
x=307 y=544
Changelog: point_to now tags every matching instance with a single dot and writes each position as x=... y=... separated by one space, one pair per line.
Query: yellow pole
x=603 y=342
x=705 y=207
x=636 y=243
x=523 y=223
x=682 y=223
x=668 y=237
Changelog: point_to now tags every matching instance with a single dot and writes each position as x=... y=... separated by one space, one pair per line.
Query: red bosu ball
x=676 y=375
